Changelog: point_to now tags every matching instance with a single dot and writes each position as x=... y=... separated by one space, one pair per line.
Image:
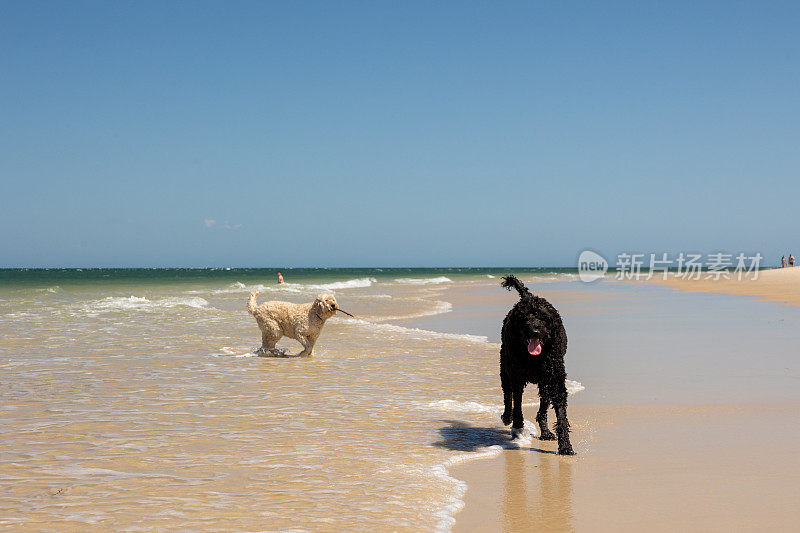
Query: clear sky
x=395 y=134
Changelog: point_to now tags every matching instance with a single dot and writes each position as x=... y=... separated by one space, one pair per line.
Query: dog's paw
x=517 y=433
x=506 y=418
x=566 y=451
x=547 y=435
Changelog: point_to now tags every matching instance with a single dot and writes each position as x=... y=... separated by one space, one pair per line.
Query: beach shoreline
x=165 y=418
x=685 y=458
x=781 y=285
x=423 y=356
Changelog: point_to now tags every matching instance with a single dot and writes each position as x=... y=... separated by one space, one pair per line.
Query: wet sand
x=646 y=469
x=684 y=423
x=776 y=285
x=147 y=410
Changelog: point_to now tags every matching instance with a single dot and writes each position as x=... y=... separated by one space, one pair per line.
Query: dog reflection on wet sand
x=547 y=505
x=533 y=490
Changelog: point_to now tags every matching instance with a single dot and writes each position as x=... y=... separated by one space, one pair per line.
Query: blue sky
x=412 y=134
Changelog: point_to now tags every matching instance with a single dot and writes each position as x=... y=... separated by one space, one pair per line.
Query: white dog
x=302 y=322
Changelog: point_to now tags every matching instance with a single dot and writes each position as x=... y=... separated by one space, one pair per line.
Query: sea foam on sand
x=455 y=502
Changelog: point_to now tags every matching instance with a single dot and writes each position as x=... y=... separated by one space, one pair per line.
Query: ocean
x=132 y=399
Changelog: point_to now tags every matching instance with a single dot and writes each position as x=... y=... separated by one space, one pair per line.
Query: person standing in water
x=280 y=277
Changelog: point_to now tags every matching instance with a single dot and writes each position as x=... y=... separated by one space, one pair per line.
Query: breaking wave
x=350 y=284
x=418 y=333
x=439 y=308
x=239 y=287
x=423 y=281
x=116 y=303
x=51 y=290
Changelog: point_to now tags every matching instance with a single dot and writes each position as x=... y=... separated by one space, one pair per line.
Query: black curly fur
x=534 y=317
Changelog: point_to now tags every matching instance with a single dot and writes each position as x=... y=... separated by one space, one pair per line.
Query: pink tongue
x=534 y=347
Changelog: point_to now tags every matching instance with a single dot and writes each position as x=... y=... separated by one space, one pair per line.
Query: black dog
x=534 y=344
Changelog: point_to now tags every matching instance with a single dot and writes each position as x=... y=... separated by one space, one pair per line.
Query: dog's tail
x=251 y=302
x=510 y=282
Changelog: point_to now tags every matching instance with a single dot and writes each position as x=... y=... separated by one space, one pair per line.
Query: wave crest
x=349 y=284
x=423 y=281
x=117 y=303
x=416 y=332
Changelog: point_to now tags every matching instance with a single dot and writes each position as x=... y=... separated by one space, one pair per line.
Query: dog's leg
x=308 y=346
x=267 y=344
x=541 y=417
x=270 y=335
x=518 y=421
x=562 y=424
x=263 y=350
x=506 y=416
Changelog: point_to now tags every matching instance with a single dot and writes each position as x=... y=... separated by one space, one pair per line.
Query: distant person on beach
x=791 y=260
x=280 y=277
x=783 y=261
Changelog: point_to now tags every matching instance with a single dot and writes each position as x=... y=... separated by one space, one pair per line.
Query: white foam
x=349 y=284
x=283 y=287
x=554 y=277
x=462 y=407
x=417 y=333
x=475 y=407
x=176 y=302
x=447 y=513
x=574 y=386
x=489 y=276
x=227 y=351
x=52 y=290
x=115 y=303
x=112 y=303
x=290 y=287
x=240 y=287
x=423 y=281
x=439 y=308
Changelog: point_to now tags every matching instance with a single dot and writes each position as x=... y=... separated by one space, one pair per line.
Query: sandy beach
x=658 y=468
x=681 y=425
x=774 y=285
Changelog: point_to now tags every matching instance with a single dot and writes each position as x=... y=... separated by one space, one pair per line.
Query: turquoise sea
x=33 y=276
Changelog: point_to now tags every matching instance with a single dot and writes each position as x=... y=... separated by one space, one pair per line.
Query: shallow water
x=137 y=404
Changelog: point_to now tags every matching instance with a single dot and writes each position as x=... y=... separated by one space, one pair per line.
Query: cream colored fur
x=302 y=322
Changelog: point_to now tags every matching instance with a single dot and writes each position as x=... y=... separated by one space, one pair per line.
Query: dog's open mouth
x=534 y=347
